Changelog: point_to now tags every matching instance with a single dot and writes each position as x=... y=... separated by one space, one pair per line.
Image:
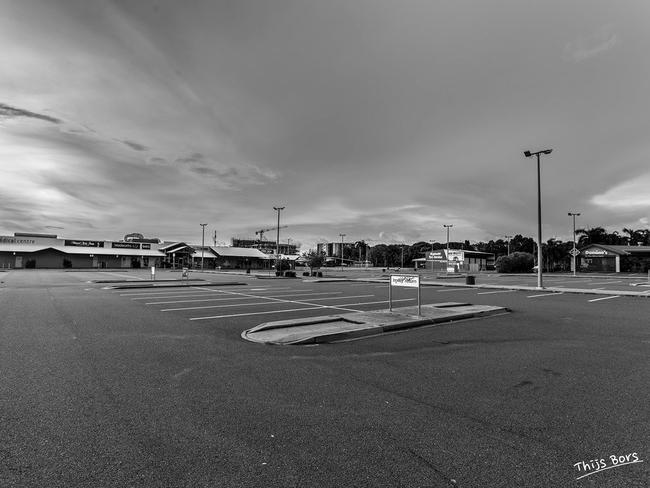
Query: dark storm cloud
x=10 y=112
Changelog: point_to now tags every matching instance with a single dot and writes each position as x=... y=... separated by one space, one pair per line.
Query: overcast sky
x=379 y=119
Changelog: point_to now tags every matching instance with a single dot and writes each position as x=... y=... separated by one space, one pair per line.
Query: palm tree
x=595 y=235
x=636 y=236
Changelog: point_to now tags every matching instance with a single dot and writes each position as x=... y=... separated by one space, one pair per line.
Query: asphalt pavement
x=143 y=387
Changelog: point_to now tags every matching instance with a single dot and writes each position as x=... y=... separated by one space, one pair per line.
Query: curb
x=152 y=285
x=584 y=291
x=361 y=324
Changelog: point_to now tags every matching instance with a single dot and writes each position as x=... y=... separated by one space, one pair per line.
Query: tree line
x=555 y=252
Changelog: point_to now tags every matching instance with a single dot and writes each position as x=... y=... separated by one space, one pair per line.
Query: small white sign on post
x=153 y=273
x=407 y=281
x=410 y=281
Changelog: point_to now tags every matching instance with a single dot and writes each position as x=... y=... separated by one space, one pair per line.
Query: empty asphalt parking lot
x=155 y=386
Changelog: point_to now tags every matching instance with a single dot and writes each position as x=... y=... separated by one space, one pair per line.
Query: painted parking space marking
x=609 y=282
x=317 y=307
x=280 y=300
x=191 y=289
x=604 y=298
x=124 y=275
x=255 y=303
x=220 y=298
x=454 y=289
x=544 y=295
x=492 y=292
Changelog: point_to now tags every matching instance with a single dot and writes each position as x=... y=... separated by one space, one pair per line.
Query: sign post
x=153 y=273
x=407 y=281
x=186 y=274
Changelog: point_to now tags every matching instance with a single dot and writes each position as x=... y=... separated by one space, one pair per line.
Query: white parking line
x=192 y=289
x=125 y=276
x=492 y=292
x=254 y=304
x=300 y=309
x=455 y=289
x=604 y=298
x=220 y=298
x=545 y=295
x=607 y=282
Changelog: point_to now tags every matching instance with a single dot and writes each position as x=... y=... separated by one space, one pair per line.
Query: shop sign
x=437 y=255
x=69 y=242
x=456 y=256
x=146 y=246
x=13 y=240
x=596 y=252
x=125 y=245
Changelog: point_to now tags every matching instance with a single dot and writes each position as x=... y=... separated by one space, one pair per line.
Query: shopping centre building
x=614 y=259
x=28 y=250
x=456 y=260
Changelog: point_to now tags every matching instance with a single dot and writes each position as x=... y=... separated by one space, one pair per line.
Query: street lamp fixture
x=529 y=154
x=574 y=252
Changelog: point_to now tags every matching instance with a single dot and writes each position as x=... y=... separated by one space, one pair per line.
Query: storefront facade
x=614 y=259
x=456 y=260
x=24 y=250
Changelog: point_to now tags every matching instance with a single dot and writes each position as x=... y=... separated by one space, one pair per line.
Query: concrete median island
x=341 y=327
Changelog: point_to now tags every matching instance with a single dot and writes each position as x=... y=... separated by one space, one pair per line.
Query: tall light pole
x=574 y=253
x=508 y=239
x=528 y=154
x=431 y=256
x=277 y=240
x=342 y=236
x=202 y=242
x=447 y=226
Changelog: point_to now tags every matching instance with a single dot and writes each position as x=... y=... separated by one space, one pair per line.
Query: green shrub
x=517 y=262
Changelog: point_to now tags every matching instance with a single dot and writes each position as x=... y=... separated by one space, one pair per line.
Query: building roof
x=239 y=252
x=99 y=251
x=620 y=250
x=173 y=247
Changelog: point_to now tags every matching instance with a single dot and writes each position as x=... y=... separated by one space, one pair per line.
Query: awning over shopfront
x=98 y=251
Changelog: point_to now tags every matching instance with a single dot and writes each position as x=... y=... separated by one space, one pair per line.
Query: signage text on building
x=125 y=245
x=70 y=242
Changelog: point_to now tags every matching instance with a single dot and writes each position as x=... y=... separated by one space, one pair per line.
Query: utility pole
x=574 y=252
x=277 y=241
x=540 y=261
x=447 y=226
x=202 y=242
x=342 y=236
x=508 y=239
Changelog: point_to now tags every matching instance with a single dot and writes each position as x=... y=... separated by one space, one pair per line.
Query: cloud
x=10 y=112
x=587 y=47
x=229 y=176
x=135 y=145
x=632 y=194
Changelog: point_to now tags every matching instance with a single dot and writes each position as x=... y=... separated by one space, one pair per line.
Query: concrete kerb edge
x=409 y=322
x=586 y=291
x=166 y=285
